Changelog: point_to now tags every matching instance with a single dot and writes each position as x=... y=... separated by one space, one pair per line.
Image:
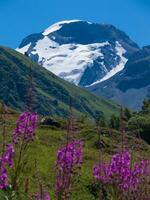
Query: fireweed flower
x=47 y=197
x=120 y=173
x=25 y=127
x=6 y=160
x=44 y=197
x=69 y=160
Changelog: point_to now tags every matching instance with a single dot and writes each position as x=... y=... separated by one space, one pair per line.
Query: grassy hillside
x=52 y=95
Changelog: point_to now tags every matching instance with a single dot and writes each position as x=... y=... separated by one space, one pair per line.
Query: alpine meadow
x=74 y=100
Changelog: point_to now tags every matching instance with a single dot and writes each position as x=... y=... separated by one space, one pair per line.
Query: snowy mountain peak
x=81 y=52
x=57 y=26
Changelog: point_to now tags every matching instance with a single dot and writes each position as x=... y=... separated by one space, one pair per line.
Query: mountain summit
x=80 y=52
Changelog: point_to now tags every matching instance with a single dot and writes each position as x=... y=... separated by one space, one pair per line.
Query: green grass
x=48 y=140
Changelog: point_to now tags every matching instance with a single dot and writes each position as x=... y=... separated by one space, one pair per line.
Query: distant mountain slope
x=131 y=86
x=80 y=52
x=51 y=94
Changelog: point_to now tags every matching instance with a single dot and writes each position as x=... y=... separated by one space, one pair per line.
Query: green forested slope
x=51 y=95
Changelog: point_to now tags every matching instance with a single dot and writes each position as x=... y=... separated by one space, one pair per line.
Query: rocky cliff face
x=131 y=86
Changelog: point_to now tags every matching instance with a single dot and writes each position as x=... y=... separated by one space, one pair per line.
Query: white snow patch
x=23 y=49
x=120 y=52
x=105 y=86
x=70 y=60
x=57 y=26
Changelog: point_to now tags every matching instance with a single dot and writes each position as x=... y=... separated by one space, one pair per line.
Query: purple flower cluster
x=25 y=127
x=120 y=171
x=45 y=196
x=6 y=160
x=69 y=159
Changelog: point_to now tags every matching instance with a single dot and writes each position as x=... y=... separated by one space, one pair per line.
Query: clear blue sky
x=19 y=18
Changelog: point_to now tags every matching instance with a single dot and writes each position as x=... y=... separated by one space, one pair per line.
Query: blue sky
x=20 y=18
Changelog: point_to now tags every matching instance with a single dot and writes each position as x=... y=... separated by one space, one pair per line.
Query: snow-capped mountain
x=80 y=52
